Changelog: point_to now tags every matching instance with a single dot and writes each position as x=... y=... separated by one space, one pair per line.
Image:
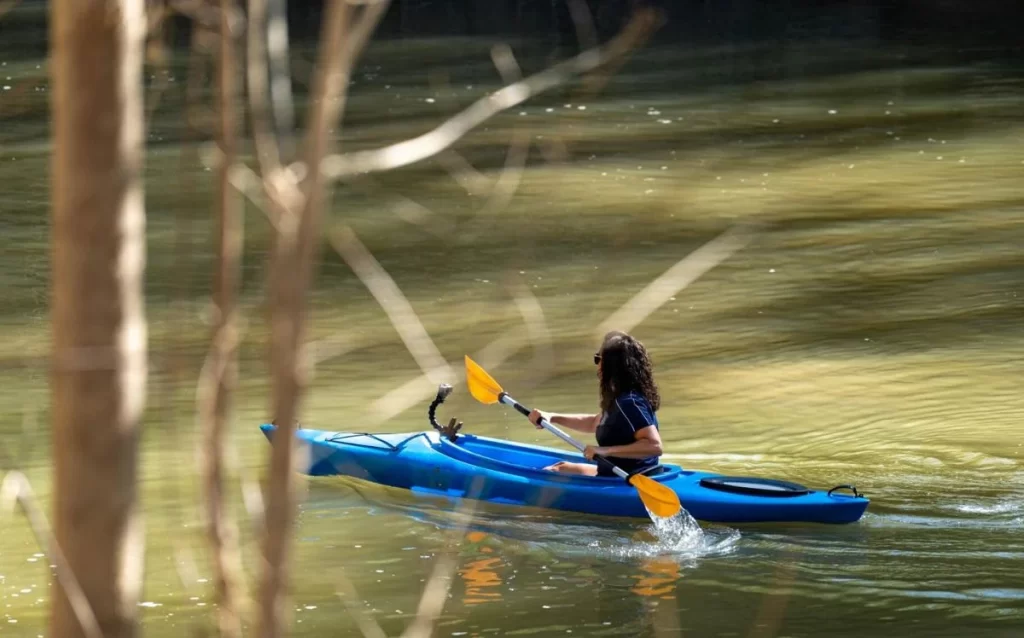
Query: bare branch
x=330 y=348
x=435 y=593
x=280 y=76
x=205 y=14
x=295 y=251
x=416 y=390
x=216 y=381
x=16 y=489
x=463 y=172
x=583 y=18
x=244 y=180
x=492 y=355
x=185 y=565
x=219 y=375
x=518 y=149
x=408 y=209
x=394 y=303
x=267 y=150
x=252 y=498
x=156 y=55
x=685 y=272
x=458 y=167
x=645 y=22
x=349 y=596
x=537 y=328
x=682 y=274
x=450 y=131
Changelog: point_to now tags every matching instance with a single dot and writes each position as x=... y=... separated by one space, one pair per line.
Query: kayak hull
x=510 y=473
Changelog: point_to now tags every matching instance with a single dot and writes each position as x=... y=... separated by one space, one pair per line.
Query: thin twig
x=504 y=189
x=537 y=329
x=201 y=13
x=349 y=596
x=16 y=489
x=462 y=171
x=683 y=273
x=435 y=593
x=414 y=391
x=453 y=129
x=267 y=151
x=185 y=565
x=407 y=209
x=156 y=55
x=244 y=180
x=458 y=167
x=518 y=150
x=252 y=499
x=280 y=77
x=7 y=6
x=404 y=319
x=644 y=22
x=686 y=271
x=583 y=19
x=329 y=348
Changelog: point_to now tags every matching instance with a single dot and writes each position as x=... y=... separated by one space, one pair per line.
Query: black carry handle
x=852 y=488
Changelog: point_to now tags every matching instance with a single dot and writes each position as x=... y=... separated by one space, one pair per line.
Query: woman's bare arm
x=578 y=422
x=647 y=443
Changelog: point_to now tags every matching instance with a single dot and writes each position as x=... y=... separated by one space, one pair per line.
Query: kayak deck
x=511 y=473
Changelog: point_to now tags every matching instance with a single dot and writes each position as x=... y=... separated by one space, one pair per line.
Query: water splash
x=681 y=537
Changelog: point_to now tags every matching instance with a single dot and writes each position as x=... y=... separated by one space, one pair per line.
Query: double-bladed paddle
x=659 y=500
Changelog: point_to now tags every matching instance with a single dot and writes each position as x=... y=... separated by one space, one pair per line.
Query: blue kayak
x=460 y=466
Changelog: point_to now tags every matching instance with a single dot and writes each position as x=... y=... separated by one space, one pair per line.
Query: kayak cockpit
x=516 y=459
x=524 y=459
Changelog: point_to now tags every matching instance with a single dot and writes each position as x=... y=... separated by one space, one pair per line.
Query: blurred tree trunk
x=99 y=326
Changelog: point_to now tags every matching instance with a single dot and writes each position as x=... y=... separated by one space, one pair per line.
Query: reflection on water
x=658 y=578
x=480 y=576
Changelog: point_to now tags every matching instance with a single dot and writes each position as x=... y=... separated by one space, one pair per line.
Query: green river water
x=870 y=333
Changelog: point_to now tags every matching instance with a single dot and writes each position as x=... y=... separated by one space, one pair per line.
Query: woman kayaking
x=626 y=427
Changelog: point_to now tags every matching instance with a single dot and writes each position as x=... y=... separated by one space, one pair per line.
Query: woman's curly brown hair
x=626 y=367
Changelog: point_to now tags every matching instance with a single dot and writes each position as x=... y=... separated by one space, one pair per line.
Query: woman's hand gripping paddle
x=659 y=500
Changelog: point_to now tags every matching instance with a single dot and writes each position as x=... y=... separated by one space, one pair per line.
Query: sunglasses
x=597 y=359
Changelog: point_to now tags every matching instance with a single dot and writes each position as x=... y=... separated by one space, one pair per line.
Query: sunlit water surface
x=872 y=336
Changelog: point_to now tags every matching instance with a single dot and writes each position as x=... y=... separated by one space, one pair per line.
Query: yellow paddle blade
x=660 y=500
x=483 y=388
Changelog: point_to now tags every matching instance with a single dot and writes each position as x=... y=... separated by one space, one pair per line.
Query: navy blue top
x=630 y=414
